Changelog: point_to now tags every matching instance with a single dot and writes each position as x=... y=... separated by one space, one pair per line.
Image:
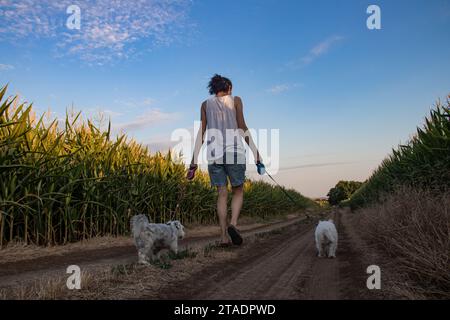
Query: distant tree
x=342 y=191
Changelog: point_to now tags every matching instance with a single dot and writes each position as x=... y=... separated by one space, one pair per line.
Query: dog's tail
x=137 y=223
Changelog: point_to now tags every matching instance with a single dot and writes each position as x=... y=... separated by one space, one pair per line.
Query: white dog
x=326 y=239
x=151 y=238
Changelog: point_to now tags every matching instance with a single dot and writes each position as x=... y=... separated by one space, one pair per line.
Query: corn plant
x=62 y=182
x=424 y=162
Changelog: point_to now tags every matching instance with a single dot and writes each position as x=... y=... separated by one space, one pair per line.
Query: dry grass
x=19 y=251
x=413 y=228
x=45 y=289
x=130 y=281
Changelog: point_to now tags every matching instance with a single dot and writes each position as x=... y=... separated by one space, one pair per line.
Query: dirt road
x=28 y=270
x=281 y=266
x=277 y=261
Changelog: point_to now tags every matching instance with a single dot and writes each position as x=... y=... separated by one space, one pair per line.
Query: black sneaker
x=235 y=235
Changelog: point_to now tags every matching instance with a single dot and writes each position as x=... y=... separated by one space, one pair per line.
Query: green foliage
x=323 y=203
x=342 y=191
x=59 y=185
x=424 y=162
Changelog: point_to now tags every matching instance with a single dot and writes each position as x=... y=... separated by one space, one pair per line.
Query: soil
x=276 y=261
x=282 y=266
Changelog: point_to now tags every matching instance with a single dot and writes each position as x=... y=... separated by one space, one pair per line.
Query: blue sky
x=342 y=95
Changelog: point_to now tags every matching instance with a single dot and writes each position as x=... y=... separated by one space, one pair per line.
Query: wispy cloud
x=280 y=88
x=6 y=67
x=102 y=112
x=110 y=30
x=316 y=51
x=161 y=144
x=133 y=103
x=111 y=113
x=151 y=117
x=316 y=165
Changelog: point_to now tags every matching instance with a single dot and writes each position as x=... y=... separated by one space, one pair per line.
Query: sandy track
x=277 y=261
x=281 y=266
x=26 y=271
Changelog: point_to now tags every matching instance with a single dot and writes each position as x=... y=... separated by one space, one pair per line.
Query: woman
x=222 y=118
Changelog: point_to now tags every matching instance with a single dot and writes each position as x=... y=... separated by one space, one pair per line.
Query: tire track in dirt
x=280 y=266
x=277 y=261
x=94 y=260
x=267 y=269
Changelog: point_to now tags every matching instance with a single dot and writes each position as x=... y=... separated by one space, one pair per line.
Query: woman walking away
x=222 y=119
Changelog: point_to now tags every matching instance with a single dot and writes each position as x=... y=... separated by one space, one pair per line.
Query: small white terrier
x=151 y=238
x=326 y=239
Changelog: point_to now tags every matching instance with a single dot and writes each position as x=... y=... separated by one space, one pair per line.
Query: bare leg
x=222 y=212
x=236 y=204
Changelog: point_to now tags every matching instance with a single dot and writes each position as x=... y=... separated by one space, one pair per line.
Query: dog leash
x=281 y=188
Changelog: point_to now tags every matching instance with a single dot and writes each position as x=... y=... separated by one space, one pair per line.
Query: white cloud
x=111 y=113
x=151 y=117
x=280 y=88
x=110 y=30
x=160 y=144
x=148 y=101
x=133 y=103
x=102 y=112
x=6 y=67
x=324 y=46
x=317 y=51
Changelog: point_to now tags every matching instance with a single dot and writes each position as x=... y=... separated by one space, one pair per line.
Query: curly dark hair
x=219 y=84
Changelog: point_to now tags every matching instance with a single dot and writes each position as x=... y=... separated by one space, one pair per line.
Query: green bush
x=342 y=191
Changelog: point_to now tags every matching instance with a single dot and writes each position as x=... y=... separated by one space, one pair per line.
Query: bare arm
x=200 y=136
x=243 y=126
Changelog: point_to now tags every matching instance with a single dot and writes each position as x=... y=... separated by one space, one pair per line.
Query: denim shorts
x=218 y=173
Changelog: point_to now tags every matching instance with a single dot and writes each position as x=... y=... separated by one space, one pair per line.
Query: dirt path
x=281 y=266
x=277 y=261
x=26 y=271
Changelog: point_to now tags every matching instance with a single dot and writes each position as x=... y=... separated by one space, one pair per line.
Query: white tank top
x=222 y=129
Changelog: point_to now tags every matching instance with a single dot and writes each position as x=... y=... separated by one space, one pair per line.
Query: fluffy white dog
x=326 y=239
x=151 y=238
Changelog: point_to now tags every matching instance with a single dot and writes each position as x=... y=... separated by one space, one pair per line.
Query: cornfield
x=423 y=163
x=65 y=182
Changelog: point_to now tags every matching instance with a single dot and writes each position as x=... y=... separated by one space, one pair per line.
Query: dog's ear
x=174 y=223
